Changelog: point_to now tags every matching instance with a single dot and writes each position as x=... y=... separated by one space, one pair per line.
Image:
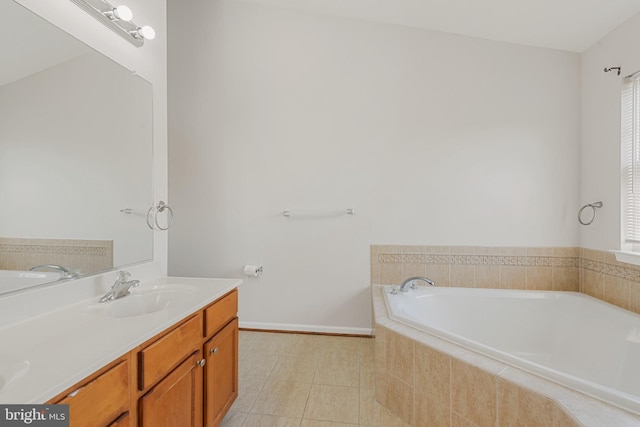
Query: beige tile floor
x=296 y=380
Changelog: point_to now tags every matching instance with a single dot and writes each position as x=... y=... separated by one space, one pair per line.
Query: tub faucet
x=63 y=272
x=411 y=283
x=121 y=287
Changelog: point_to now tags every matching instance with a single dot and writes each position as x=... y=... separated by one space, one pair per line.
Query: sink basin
x=11 y=369
x=147 y=302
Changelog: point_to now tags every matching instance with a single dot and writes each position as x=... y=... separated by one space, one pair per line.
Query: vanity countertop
x=60 y=347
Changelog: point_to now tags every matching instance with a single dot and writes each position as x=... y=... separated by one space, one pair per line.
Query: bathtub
x=566 y=337
x=13 y=280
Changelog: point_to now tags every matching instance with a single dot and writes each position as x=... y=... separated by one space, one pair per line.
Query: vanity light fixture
x=146 y=32
x=118 y=19
x=121 y=12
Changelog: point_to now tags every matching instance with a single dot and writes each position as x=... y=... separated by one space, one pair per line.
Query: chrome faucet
x=411 y=283
x=121 y=287
x=63 y=272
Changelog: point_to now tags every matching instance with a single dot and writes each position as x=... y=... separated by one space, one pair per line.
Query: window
x=631 y=163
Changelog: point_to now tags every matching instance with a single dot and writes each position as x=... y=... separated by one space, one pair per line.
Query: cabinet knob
x=213 y=350
x=201 y=362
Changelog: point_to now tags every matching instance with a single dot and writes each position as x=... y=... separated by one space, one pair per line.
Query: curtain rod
x=619 y=69
x=632 y=75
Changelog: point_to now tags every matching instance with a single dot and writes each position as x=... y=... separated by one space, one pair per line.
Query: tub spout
x=411 y=283
x=63 y=272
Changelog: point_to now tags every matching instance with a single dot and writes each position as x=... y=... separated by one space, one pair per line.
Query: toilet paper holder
x=252 y=270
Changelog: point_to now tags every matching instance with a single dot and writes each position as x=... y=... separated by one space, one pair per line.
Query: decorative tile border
x=621 y=271
x=87 y=256
x=59 y=250
x=510 y=260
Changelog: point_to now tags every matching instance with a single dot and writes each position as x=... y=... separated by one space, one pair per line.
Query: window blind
x=631 y=160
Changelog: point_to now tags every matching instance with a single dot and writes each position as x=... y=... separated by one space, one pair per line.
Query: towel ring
x=154 y=211
x=593 y=207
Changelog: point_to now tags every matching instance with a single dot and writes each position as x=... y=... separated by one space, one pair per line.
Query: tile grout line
x=360 y=351
x=306 y=403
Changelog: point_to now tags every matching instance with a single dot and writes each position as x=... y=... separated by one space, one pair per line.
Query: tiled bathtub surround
x=86 y=256
x=603 y=277
x=595 y=273
x=430 y=382
x=468 y=266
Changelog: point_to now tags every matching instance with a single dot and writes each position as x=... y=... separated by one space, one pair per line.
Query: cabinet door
x=221 y=373
x=176 y=401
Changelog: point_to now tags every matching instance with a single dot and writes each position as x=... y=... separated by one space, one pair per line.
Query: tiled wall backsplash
x=595 y=273
x=86 y=256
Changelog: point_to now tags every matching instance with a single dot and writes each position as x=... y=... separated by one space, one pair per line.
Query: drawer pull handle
x=213 y=350
x=75 y=393
x=201 y=362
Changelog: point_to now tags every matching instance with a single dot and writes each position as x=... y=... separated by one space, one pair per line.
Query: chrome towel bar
x=349 y=211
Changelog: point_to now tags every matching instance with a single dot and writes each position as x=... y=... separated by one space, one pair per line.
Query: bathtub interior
x=567 y=337
x=12 y=280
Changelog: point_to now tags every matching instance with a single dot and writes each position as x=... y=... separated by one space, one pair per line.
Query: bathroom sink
x=11 y=369
x=147 y=302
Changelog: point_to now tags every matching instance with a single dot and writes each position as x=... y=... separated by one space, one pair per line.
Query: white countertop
x=67 y=344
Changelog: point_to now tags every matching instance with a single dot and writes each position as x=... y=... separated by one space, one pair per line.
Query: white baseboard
x=288 y=327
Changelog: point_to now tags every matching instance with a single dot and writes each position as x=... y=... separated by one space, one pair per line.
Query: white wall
x=149 y=62
x=432 y=138
x=600 y=178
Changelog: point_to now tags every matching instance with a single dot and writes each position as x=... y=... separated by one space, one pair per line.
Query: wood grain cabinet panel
x=123 y=420
x=176 y=401
x=221 y=374
x=157 y=359
x=100 y=401
x=221 y=312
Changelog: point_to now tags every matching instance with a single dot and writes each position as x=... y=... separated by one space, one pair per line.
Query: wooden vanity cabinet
x=186 y=376
x=170 y=372
x=158 y=358
x=202 y=388
x=221 y=373
x=176 y=401
x=220 y=312
x=221 y=356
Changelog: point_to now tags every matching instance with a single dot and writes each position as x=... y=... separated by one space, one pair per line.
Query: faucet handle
x=123 y=275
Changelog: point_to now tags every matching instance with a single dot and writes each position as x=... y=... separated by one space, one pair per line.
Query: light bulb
x=123 y=13
x=147 y=32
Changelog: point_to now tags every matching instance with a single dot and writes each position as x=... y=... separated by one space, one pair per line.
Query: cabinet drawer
x=220 y=312
x=157 y=359
x=101 y=400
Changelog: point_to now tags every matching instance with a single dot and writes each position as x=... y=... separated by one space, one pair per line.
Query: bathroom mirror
x=75 y=155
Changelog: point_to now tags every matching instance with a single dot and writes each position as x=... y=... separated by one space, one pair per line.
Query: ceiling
x=571 y=25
